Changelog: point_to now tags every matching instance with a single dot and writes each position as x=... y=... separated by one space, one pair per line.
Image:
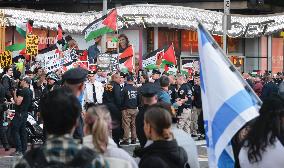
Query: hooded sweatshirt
x=162 y=154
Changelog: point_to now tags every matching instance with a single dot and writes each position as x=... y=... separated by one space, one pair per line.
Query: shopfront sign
x=249 y=30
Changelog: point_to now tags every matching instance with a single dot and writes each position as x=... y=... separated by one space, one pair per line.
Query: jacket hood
x=168 y=149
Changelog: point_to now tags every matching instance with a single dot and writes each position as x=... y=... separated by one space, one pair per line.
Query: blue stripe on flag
x=228 y=112
x=201 y=78
x=225 y=160
x=204 y=39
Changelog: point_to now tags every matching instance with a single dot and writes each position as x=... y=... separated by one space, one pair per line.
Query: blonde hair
x=98 y=123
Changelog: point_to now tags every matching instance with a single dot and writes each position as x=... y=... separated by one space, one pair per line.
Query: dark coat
x=129 y=97
x=162 y=154
x=112 y=94
x=139 y=123
x=269 y=89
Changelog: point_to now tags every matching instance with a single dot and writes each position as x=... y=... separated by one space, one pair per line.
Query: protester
x=163 y=94
x=8 y=82
x=3 y=108
x=156 y=77
x=129 y=111
x=247 y=77
x=123 y=42
x=98 y=130
x=52 y=84
x=172 y=88
x=94 y=51
x=74 y=79
x=184 y=95
x=197 y=107
x=60 y=109
x=112 y=97
x=269 y=88
x=149 y=97
x=263 y=146
x=183 y=139
x=23 y=102
x=161 y=149
x=257 y=86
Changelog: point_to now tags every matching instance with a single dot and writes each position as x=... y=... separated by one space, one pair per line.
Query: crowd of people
x=88 y=116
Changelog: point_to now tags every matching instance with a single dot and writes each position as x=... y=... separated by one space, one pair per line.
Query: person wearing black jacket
x=8 y=82
x=149 y=97
x=197 y=116
x=112 y=98
x=161 y=149
x=184 y=93
x=172 y=89
x=112 y=93
x=269 y=88
x=3 y=108
x=129 y=112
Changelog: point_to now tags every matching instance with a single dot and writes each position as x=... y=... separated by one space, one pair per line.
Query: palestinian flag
x=24 y=28
x=153 y=60
x=59 y=33
x=169 y=55
x=126 y=59
x=101 y=26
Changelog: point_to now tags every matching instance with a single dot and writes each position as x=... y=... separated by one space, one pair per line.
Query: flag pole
x=229 y=63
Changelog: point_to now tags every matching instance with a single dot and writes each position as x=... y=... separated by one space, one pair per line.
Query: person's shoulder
x=22 y=163
x=33 y=155
x=152 y=161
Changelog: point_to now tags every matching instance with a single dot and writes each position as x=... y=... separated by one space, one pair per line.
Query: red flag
x=59 y=33
x=84 y=56
x=110 y=20
x=170 y=56
x=166 y=68
x=128 y=52
x=29 y=27
x=129 y=64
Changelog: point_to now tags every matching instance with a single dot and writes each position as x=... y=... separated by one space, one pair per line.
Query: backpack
x=83 y=159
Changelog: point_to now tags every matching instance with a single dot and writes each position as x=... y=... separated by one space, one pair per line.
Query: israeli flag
x=228 y=101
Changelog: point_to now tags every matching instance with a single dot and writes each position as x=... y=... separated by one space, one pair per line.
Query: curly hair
x=126 y=38
x=266 y=128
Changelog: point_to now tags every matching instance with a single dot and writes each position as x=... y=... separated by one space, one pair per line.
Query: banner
x=52 y=61
x=5 y=59
x=32 y=44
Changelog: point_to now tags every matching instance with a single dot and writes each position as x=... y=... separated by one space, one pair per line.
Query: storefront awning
x=155 y=16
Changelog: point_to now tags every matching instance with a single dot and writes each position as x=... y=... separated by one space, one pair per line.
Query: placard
x=52 y=61
x=32 y=44
x=5 y=59
x=104 y=61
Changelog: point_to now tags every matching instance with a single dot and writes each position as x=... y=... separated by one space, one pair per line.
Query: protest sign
x=52 y=60
x=32 y=44
x=104 y=61
x=5 y=59
x=114 y=64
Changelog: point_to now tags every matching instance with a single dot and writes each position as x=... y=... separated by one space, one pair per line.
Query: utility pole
x=104 y=36
x=225 y=23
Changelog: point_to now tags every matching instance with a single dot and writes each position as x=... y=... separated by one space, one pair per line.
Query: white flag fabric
x=227 y=104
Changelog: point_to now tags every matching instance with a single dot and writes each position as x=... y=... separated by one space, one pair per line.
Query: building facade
x=254 y=42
